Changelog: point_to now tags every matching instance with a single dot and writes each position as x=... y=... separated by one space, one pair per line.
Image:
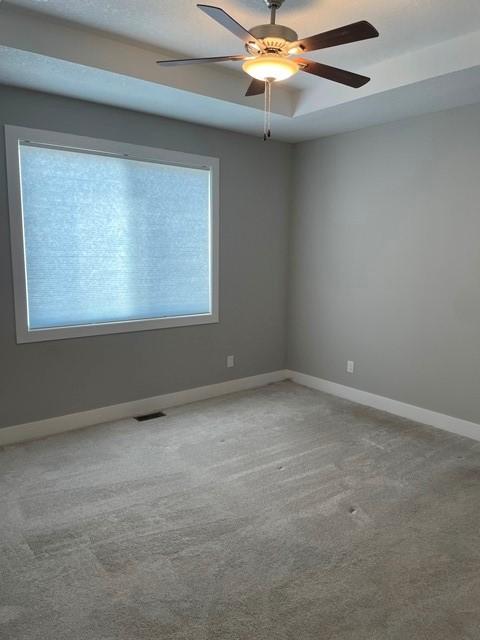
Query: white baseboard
x=52 y=426
x=417 y=414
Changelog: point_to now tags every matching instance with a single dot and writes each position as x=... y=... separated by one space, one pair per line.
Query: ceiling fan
x=274 y=52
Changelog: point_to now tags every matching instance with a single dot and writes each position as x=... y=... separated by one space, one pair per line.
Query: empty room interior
x=239 y=320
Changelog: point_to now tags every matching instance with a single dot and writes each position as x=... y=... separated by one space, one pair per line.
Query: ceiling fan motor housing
x=275 y=37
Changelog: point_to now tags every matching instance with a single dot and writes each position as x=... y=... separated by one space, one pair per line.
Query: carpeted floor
x=280 y=513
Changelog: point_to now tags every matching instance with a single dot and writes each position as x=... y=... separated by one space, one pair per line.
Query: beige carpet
x=280 y=513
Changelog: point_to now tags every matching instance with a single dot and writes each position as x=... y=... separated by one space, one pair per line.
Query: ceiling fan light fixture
x=270 y=67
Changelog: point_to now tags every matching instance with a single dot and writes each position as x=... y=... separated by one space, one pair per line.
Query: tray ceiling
x=47 y=43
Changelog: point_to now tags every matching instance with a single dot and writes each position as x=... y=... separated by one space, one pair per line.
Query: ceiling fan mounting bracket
x=274 y=4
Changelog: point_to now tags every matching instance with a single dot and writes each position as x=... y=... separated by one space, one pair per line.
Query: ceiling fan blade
x=332 y=73
x=223 y=18
x=362 y=30
x=256 y=88
x=174 y=63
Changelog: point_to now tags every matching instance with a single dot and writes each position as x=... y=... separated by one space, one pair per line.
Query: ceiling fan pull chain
x=269 y=110
x=267 y=116
x=265 y=111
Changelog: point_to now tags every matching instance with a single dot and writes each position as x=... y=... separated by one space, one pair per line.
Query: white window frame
x=14 y=136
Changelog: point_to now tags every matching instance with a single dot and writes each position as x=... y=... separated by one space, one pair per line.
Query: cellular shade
x=111 y=239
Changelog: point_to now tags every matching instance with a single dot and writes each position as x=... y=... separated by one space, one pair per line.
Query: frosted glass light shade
x=112 y=239
x=270 y=67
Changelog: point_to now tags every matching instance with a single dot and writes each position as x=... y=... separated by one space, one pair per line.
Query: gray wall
x=384 y=267
x=385 y=260
x=46 y=379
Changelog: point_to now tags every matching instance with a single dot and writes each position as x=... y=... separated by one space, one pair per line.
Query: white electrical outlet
x=230 y=361
x=350 y=366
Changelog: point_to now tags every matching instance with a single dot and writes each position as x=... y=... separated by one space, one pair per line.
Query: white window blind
x=113 y=239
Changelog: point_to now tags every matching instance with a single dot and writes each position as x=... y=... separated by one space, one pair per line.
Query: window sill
x=109 y=328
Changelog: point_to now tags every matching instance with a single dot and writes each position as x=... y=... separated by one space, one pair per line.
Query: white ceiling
x=110 y=47
x=179 y=26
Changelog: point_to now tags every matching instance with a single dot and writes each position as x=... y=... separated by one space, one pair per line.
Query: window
x=109 y=237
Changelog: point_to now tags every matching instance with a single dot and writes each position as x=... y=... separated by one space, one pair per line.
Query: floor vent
x=150 y=416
